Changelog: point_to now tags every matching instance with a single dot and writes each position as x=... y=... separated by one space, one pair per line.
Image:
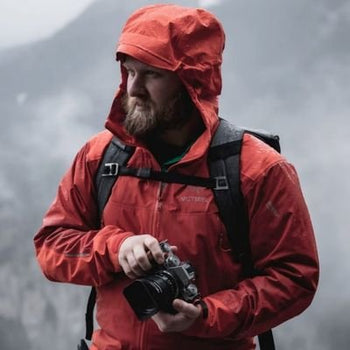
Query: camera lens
x=151 y=294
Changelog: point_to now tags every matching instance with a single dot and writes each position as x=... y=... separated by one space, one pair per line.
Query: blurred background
x=286 y=69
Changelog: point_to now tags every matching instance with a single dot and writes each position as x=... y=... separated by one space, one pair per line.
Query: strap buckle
x=221 y=183
x=111 y=169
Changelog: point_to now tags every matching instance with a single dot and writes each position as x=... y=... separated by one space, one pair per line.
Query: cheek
x=162 y=93
x=128 y=85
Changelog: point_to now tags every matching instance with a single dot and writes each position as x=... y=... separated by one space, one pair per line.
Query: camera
x=156 y=291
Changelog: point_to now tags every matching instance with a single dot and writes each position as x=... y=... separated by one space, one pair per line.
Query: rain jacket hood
x=187 y=41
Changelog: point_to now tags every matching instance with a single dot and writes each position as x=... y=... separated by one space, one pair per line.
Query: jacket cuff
x=201 y=327
x=113 y=244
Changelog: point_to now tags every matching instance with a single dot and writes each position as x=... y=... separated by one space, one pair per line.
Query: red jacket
x=72 y=247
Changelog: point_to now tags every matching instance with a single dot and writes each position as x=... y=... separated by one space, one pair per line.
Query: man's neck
x=174 y=142
x=184 y=134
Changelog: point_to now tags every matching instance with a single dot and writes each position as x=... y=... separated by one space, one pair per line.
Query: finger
x=142 y=258
x=133 y=266
x=167 y=322
x=126 y=269
x=153 y=246
x=161 y=317
x=189 y=310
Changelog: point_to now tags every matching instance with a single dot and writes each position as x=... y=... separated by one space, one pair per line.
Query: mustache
x=130 y=103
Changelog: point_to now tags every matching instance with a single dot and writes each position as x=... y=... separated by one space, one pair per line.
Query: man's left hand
x=187 y=314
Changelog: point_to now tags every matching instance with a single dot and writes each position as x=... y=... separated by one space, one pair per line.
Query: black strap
x=116 y=152
x=266 y=341
x=89 y=315
x=115 y=169
x=119 y=152
x=224 y=160
x=82 y=345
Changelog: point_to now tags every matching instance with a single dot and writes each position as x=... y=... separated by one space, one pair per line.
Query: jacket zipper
x=157 y=207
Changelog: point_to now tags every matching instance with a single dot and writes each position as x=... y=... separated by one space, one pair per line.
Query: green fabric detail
x=174 y=160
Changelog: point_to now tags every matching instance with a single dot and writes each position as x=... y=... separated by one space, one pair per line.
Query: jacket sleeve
x=70 y=246
x=284 y=251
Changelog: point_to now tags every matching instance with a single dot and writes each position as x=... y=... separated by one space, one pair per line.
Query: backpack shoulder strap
x=224 y=163
x=117 y=154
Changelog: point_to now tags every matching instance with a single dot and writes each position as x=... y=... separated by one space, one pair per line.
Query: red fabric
x=71 y=247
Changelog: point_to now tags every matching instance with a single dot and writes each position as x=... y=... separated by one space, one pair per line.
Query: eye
x=153 y=74
x=130 y=72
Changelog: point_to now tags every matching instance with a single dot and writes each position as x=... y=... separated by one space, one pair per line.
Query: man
x=166 y=107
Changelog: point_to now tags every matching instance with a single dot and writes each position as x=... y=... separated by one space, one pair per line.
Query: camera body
x=156 y=291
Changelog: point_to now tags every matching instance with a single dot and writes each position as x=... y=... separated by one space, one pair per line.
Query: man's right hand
x=137 y=253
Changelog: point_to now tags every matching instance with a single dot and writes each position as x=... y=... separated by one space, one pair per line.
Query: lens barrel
x=151 y=294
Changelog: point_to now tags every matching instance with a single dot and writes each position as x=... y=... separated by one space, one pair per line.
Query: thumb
x=189 y=310
x=174 y=248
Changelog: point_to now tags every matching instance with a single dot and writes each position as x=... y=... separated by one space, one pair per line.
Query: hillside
x=285 y=69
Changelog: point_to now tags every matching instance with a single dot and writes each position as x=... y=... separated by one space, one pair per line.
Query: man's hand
x=186 y=316
x=137 y=253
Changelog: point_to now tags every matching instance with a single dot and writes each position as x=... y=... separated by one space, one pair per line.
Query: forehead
x=131 y=62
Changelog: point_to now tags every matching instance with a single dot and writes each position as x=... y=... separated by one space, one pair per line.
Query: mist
x=286 y=69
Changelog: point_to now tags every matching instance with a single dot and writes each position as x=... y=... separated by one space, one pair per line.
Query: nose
x=136 y=86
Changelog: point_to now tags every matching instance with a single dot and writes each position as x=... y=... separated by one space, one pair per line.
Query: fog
x=286 y=69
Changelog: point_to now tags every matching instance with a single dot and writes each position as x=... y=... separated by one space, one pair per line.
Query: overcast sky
x=37 y=19
x=30 y=20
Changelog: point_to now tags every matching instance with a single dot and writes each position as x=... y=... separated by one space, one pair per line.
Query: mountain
x=285 y=69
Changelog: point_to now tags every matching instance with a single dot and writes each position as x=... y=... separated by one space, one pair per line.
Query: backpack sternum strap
x=115 y=169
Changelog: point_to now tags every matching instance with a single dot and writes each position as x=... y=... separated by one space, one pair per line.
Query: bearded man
x=166 y=110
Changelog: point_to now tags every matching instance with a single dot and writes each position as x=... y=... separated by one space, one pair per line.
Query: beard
x=150 y=119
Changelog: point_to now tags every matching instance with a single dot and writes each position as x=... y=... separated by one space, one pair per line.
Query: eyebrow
x=125 y=64
x=145 y=65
